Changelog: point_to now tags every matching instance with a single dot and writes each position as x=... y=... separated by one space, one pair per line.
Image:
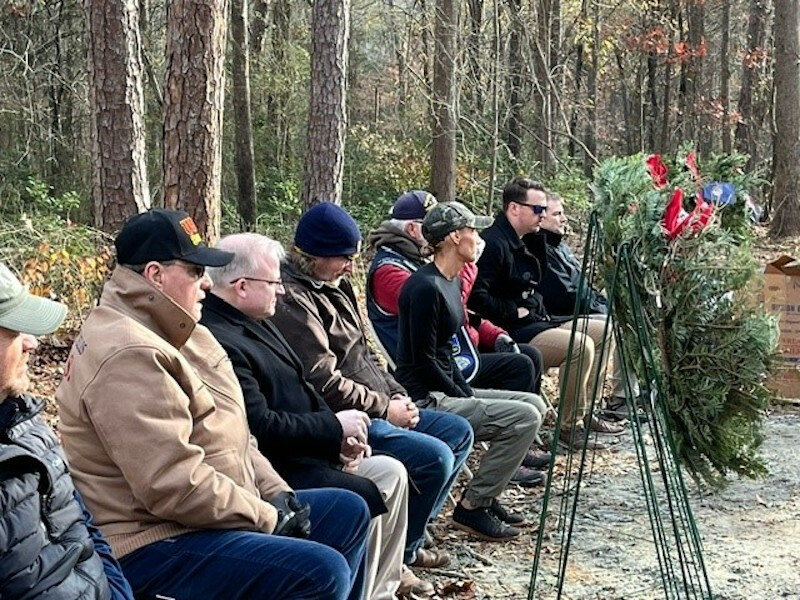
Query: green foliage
x=378 y=169
x=713 y=341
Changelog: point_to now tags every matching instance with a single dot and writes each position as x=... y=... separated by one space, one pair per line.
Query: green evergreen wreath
x=698 y=283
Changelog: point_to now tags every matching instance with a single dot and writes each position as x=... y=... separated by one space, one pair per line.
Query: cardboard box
x=782 y=297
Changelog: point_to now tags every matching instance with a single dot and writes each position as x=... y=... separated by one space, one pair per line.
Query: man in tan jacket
x=154 y=426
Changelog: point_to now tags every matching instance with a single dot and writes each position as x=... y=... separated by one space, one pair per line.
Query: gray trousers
x=509 y=421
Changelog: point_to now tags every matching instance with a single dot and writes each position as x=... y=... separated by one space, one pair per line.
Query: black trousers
x=507 y=371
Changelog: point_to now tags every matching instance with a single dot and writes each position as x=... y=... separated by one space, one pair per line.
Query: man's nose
x=29 y=343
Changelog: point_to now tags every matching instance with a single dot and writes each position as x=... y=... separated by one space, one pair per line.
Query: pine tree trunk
x=116 y=105
x=243 y=122
x=443 y=151
x=786 y=147
x=193 y=105
x=724 y=76
x=515 y=67
x=752 y=67
x=327 y=115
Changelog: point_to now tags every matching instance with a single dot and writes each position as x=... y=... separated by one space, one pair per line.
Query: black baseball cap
x=162 y=235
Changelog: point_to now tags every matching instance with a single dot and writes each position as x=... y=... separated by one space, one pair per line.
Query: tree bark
x=725 y=76
x=443 y=151
x=515 y=67
x=193 y=104
x=786 y=146
x=327 y=116
x=750 y=118
x=116 y=105
x=243 y=121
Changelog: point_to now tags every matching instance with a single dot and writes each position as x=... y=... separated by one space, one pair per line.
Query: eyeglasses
x=538 y=209
x=276 y=282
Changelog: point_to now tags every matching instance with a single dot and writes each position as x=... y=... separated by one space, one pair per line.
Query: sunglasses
x=538 y=209
x=196 y=271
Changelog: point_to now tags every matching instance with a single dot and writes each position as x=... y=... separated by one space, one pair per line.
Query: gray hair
x=301 y=261
x=247 y=247
x=400 y=224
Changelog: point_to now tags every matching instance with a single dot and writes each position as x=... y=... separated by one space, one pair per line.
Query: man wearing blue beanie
x=319 y=317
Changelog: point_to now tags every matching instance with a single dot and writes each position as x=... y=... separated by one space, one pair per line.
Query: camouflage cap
x=446 y=217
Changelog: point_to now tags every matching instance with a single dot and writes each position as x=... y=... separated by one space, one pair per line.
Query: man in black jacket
x=559 y=288
x=48 y=544
x=308 y=444
x=507 y=291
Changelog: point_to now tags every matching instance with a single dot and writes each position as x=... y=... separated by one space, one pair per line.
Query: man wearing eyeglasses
x=320 y=318
x=506 y=291
x=309 y=444
x=153 y=423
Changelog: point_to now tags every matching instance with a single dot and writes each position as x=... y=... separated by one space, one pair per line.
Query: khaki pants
x=589 y=354
x=616 y=377
x=387 y=533
x=509 y=421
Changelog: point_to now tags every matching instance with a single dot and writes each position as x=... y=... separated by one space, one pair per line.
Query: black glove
x=504 y=343
x=293 y=516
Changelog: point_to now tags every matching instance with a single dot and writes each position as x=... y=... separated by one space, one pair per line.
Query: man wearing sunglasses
x=507 y=291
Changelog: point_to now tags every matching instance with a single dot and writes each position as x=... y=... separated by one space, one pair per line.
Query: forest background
x=110 y=106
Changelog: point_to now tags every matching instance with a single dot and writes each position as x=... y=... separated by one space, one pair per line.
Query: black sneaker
x=536 y=459
x=527 y=477
x=482 y=523
x=502 y=513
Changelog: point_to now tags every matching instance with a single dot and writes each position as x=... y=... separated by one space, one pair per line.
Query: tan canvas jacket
x=154 y=425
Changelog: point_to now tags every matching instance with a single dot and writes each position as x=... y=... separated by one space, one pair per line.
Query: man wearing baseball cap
x=319 y=317
x=48 y=544
x=154 y=425
x=431 y=313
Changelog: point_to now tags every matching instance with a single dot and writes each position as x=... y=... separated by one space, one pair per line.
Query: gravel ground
x=750 y=534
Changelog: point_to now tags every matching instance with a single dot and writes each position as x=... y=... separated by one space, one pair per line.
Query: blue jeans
x=433 y=454
x=228 y=564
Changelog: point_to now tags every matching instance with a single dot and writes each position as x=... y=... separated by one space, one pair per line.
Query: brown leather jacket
x=154 y=425
x=324 y=328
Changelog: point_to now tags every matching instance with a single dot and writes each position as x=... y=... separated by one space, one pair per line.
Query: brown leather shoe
x=577 y=442
x=601 y=426
x=430 y=558
x=411 y=584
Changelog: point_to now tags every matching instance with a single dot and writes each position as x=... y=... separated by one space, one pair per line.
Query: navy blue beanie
x=327 y=230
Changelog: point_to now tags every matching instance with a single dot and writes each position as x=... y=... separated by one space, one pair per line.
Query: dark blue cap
x=327 y=230
x=413 y=205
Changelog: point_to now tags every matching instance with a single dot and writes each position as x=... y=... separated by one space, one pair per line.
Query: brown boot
x=575 y=441
x=411 y=584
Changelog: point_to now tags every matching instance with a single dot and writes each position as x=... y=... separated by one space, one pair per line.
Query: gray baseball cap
x=23 y=312
x=446 y=217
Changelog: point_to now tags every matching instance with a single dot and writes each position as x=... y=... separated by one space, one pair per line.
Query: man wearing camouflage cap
x=431 y=312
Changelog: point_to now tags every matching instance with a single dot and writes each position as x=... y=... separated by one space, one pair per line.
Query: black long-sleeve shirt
x=430 y=314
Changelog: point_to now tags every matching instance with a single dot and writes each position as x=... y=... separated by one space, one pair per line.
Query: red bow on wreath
x=676 y=219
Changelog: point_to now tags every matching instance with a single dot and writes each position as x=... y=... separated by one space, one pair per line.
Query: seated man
x=307 y=443
x=559 y=290
x=486 y=354
x=509 y=271
x=319 y=318
x=48 y=544
x=154 y=425
x=400 y=250
x=431 y=313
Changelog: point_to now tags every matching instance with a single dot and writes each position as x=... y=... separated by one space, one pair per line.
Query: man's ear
x=154 y=273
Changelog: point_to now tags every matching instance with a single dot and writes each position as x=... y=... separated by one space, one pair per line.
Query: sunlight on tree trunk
x=327 y=108
x=193 y=104
x=786 y=159
x=443 y=151
x=116 y=104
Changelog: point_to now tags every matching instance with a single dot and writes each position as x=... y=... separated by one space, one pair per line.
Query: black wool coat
x=295 y=429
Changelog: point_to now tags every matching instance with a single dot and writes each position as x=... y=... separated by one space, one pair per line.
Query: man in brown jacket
x=154 y=426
